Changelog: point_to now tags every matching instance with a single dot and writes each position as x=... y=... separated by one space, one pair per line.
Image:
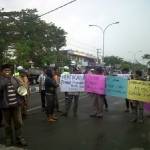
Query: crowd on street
x=15 y=96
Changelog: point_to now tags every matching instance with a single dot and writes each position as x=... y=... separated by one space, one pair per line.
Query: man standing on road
x=50 y=87
x=73 y=96
x=41 y=81
x=10 y=105
x=66 y=72
x=138 y=106
x=98 y=99
x=23 y=81
x=57 y=80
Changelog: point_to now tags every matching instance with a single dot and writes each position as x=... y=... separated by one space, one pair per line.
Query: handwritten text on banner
x=139 y=90
x=95 y=84
x=72 y=83
x=116 y=86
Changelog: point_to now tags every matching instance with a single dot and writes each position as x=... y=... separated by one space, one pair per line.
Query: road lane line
x=60 y=101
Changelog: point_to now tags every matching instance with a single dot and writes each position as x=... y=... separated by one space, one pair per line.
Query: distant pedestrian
x=50 y=88
x=10 y=104
x=42 y=91
x=105 y=99
x=148 y=75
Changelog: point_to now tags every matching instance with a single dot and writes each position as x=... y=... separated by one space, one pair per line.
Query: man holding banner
x=98 y=99
x=74 y=95
x=137 y=109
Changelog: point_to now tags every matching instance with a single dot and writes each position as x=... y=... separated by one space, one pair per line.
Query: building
x=80 y=58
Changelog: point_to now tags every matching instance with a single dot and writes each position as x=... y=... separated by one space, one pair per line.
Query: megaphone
x=22 y=91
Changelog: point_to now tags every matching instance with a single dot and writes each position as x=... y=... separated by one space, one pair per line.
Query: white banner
x=125 y=76
x=72 y=83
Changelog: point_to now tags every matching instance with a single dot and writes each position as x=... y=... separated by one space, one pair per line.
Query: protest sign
x=139 y=90
x=72 y=83
x=116 y=86
x=126 y=76
x=95 y=83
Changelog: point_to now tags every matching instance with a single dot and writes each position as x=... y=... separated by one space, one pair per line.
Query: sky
x=130 y=39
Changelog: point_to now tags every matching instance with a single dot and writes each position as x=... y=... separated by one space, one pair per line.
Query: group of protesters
x=13 y=105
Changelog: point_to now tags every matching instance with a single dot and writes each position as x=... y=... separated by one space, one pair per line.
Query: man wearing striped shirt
x=10 y=105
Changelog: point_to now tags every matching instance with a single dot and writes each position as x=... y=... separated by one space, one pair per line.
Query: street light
x=103 y=31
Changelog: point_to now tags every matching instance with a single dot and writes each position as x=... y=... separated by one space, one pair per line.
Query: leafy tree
x=147 y=57
x=113 y=60
x=33 y=38
x=118 y=63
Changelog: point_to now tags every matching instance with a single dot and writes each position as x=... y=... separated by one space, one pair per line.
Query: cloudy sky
x=128 y=39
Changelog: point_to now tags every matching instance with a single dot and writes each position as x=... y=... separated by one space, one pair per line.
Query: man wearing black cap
x=10 y=105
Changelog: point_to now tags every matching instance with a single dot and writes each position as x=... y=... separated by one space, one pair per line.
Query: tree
x=34 y=39
x=119 y=63
x=147 y=57
x=113 y=60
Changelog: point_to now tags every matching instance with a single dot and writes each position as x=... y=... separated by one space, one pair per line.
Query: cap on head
x=20 y=68
x=66 y=68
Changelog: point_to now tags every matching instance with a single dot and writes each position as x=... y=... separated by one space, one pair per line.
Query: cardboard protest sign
x=72 y=83
x=139 y=90
x=116 y=86
x=95 y=83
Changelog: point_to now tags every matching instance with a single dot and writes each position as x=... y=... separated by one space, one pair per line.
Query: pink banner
x=95 y=83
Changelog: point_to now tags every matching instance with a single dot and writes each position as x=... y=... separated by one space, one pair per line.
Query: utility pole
x=98 y=55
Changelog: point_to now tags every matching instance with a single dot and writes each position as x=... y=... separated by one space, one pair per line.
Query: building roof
x=79 y=53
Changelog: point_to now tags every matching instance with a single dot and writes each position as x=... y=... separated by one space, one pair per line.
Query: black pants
x=43 y=95
x=68 y=103
x=129 y=104
x=1 y=117
x=105 y=102
x=50 y=101
x=13 y=114
x=56 y=102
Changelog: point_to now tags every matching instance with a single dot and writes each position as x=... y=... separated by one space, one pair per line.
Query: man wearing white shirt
x=41 y=81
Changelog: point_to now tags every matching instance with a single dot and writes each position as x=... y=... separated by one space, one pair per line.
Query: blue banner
x=116 y=86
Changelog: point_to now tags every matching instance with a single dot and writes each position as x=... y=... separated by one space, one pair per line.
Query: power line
x=57 y=8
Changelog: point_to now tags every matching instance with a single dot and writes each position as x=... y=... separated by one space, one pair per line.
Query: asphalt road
x=113 y=132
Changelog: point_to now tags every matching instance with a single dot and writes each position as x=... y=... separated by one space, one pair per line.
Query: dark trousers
x=56 y=102
x=129 y=104
x=43 y=95
x=50 y=101
x=13 y=115
x=1 y=117
x=68 y=103
x=105 y=102
x=138 y=110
